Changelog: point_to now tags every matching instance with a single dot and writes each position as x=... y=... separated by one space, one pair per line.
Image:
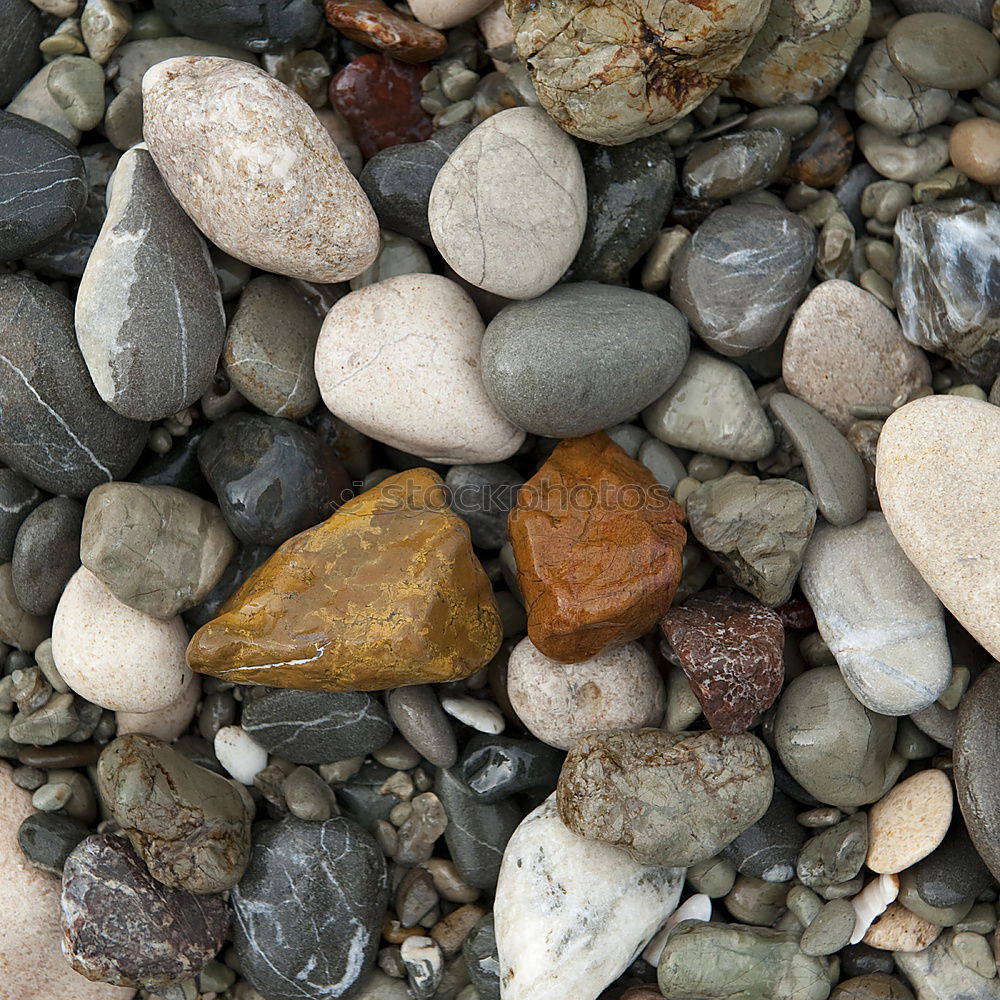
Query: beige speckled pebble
x=508 y=209
x=617 y=689
x=113 y=655
x=938 y=479
x=166 y=723
x=251 y=164
x=900 y=930
x=399 y=361
x=909 y=822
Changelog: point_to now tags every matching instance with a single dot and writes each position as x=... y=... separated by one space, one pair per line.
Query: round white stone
x=481 y=715
x=240 y=755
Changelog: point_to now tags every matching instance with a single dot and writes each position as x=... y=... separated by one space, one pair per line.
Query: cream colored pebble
x=900 y=930
x=909 y=822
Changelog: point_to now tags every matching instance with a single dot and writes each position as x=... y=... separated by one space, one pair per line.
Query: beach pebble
x=617 y=689
x=835 y=855
x=483 y=495
x=18 y=498
x=899 y=930
x=376 y=25
x=940 y=49
x=736 y=162
x=20 y=31
x=167 y=723
x=239 y=753
x=115 y=656
x=495 y=768
x=768 y=849
x=245 y=23
x=361 y=360
x=34 y=102
x=909 y=822
x=18 y=628
x=974 y=147
x=274 y=191
x=941 y=976
x=417 y=714
x=77 y=86
x=910 y=158
x=518 y=158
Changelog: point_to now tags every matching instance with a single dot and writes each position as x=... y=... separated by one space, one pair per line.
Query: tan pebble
x=974 y=146
x=167 y=723
x=909 y=822
x=900 y=930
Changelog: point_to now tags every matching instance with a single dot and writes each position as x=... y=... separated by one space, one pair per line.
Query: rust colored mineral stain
x=384 y=593
x=377 y=25
x=598 y=548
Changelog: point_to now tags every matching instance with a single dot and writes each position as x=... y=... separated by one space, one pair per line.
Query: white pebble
x=239 y=754
x=481 y=715
x=697 y=907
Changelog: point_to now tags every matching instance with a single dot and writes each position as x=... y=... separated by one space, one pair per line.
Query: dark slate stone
x=483 y=496
x=20 y=33
x=18 y=498
x=864 y=960
x=768 y=849
x=46 y=554
x=246 y=560
x=307 y=915
x=54 y=429
x=317 y=727
x=360 y=796
x=178 y=467
x=952 y=874
x=47 y=839
x=257 y=25
x=43 y=186
x=496 y=767
x=480 y=954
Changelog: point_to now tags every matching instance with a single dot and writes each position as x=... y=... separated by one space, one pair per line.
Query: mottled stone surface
x=123 y=927
x=665 y=798
x=190 y=826
x=375 y=24
x=56 y=431
x=275 y=192
x=352 y=622
x=909 y=822
x=821 y=157
x=731 y=649
x=247 y=23
x=571 y=913
x=574 y=518
x=731 y=164
x=836 y=854
x=614 y=74
x=939 y=975
x=306 y=915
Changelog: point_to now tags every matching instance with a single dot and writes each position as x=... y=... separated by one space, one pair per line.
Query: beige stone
x=909 y=822
x=251 y=164
x=167 y=723
x=115 y=656
x=900 y=930
x=399 y=361
x=974 y=147
x=508 y=209
x=844 y=348
x=938 y=482
x=446 y=13
x=34 y=101
x=32 y=965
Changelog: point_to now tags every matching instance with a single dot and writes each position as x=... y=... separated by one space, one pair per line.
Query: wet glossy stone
x=376 y=25
x=821 y=157
x=578 y=603
x=246 y=560
x=942 y=49
x=335 y=631
x=735 y=162
x=496 y=767
x=245 y=23
x=768 y=850
x=911 y=158
x=835 y=855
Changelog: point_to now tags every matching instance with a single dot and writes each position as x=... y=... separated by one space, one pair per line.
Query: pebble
x=518 y=151
x=571 y=913
x=21 y=31
x=820 y=158
x=974 y=148
x=923 y=448
x=47 y=839
x=17 y=627
x=308 y=796
x=911 y=158
x=768 y=849
x=476 y=713
x=424 y=966
x=56 y=430
x=940 y=49
x=316 y=727
x=941 y=976
x=582 y=357
x=361 y=361
x=666 y=799
x=165 y=723
x=239 y=753
x=711 y=407
x=836 y=855
x=34 y=102
x=975 y=953
x=115 y=656
x=881 y=621
x=494 y=768
x=876 y=986
x=910 y=822
x=377 y=26
x=18 y=498
x=831 y=929
x=76 y=84
x=276 y=193
x=417 y=714
x=483 y=495
x=245 y=23
x=735 y=162
x=121 y=926
x=741 y=275
x=845 y=349
x=899 y=930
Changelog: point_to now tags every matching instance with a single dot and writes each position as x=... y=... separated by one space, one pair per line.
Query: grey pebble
x=308 y=796
x=941 y=49
x=417 y=714
x=18 y=498
x=834 y=855
x=246 y=23
x=733 y=163
x=768 y=849
x=483 y=496
x=47 y=839
x=830 y=930
x=46 y=554
x=77 y=86
x=20 y=34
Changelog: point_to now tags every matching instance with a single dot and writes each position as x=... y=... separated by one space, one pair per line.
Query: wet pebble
x=736 y=162
x=941 y=49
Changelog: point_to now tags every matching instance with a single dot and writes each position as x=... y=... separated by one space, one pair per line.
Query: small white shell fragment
x=872 y=902
x=239 y=754
x=481 y=715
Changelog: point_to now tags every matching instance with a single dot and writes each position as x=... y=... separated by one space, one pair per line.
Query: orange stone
x=384 y=593
x=597 y=541
x=375 y=24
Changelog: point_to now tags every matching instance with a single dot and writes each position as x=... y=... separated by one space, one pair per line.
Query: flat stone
x=417 y=714
x=579 y=602
x=880 y=620
x=21 y=31
x=308 y=911
x=941 y=49
x=739 y=161
x=582 y=357
x=245 y=23
x=664 y=798
x=47 y=839
x=831 y=930
x=479 y=193
x=129 y=62
x=316 y=727
x=711 y=407
x=483 y=495
x=375 y=24
x=276 y=192
x=571 y=913
x=938 y=975
x=335 y=631
x=365 y=371
x=950 y=536
x=835 y=855
x=768 y=849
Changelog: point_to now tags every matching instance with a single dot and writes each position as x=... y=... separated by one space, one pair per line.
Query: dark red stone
x=796 y=613
x=380 y=98
x=731 y=649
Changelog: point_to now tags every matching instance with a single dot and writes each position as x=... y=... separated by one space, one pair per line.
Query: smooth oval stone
x=121 y=926
x=837 y=749
x=47 y=839
x=515 y=166
x=939 y=49
x=496 y=767
x=909 y=822
x=18 y=498
x=166 y=723
x=735 y=162
x=741 y=275
x=954 y=874
x=43 y=187
x=878 y=617
x=831 y=929
x=247 y=23
x=46 y=554
x=768 y=850
x=836 y=855
x=366 y=369
x=316 y=727
x=712 y=961
x=950 y=535
x=821 y=157
x=307 y=914
x=417 y=714
x=77 y=86
x=190 y=826
x=572 y=913
x=582 y=357
x=274 y=190
x=974 y=148
x=33 y=101
x=149 y=317
x=20 y=33
x=665 y=798
x=712 y=407
x=56 y=431
x=911 y=158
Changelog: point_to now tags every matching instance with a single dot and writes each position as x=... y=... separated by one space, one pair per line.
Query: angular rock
x=358 y=614
x=571 y=517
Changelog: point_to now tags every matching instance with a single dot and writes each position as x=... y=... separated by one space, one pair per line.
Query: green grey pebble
x=30 y=778
x=939 y=49
x=752 y=901
x=308 y=796
x=29 y=688
x=804 y=904
x=842 y=890
x=52 y=796
x=943 y=977
x=974 y=952
x=8 y=748
x=792 y=119
x=836 y=854
x=76 y=83
x=123 y=118
x=47 y=838
x=981 y=919
x=873 y=986
x=18 y=627
x=82 y=802
x=912 y=743
x=628 y=437
x=53 y=722
x=831 y=929
x=47 y=664
x=714 y=877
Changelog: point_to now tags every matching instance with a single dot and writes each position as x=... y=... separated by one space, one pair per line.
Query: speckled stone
x=738 y=161
x=899 y=930
x=246 y=23
x=46 y=554
x=21 y=31
x=768 y=849
x=275 y=192
x=909 y=822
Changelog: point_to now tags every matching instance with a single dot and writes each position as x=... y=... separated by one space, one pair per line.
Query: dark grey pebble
x=768 y=849
x=361 y=798
x=249 y=24
x=496 y=767
x=18 y=498
x=46 y=554
x=953 y=873
x=20 y=33
x=420 y=719
x=47 y=839
x=483 y=496
x=480 y=953
x=246 y=560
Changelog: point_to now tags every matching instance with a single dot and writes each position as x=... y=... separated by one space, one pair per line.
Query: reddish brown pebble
x=730 y=647
x=380 y=99
x=377 y=25
x=598 y=544
x=796 y=613
x=821 y=157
